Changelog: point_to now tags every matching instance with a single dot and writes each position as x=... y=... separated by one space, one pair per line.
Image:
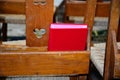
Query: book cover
x=67 y=37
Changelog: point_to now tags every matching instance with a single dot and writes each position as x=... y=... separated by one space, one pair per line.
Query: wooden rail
x=44 y=63
x=12 y=6
x=18 y=7
x=79 y=8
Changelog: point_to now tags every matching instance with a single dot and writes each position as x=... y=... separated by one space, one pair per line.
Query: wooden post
x=113 y=25
x=39 y=16
x=114 y=15
x=90 y=14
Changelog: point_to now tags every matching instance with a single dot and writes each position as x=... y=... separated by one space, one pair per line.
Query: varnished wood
x=21 y=48
x=112 y=59
x=79 y=8
x=90 y=14
x=35 y=59
x=115 y=53
x=114 y=15
x=114 y=22
x=13 y=0
x=107 y=61
x=110 y=51
x=12 y=6
x=44 y=63
x=40 y=17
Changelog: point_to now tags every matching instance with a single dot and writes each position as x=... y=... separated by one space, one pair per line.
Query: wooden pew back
x=12 y=6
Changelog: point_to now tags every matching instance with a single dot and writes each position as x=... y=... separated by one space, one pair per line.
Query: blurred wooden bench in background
x=78 y=8
x=12 y=6
x=13 y=11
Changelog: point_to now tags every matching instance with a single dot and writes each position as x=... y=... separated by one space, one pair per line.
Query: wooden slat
x=113 y=25
x=21 y=48
x=12 y=0
x=116 y=65
x=44 y=63
x=114 y=71
x=12 y=6
x=22 y=60
x=79 y=9
x=38 y=17
x=90 y=14
x=115 y=15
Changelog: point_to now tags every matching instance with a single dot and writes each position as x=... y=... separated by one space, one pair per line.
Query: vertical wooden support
x=90 y=14
x=39 y=16
x=113 y=25
x=114 y=15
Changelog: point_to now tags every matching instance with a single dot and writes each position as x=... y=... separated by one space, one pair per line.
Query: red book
x=67 y=37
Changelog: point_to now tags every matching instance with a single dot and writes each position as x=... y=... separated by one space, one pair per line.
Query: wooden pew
x=112 y=59
x=78 y=8
x=33 y=58
x=104 y=55
x=13 y=11
x=12 y=6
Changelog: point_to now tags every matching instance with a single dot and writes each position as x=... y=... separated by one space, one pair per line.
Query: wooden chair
x=108 y=60
x=102 y=54
x=98 y=52
x=77 y=8
x=110 y=64
x=31 y=57
x=112 y=58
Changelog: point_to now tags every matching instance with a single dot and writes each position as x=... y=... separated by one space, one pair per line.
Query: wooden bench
x=103 y=55
x=13 y=11
x=33 y=59
x=100 y=52
x=77 y=8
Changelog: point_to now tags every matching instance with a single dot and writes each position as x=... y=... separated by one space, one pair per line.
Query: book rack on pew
x=31 y=57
